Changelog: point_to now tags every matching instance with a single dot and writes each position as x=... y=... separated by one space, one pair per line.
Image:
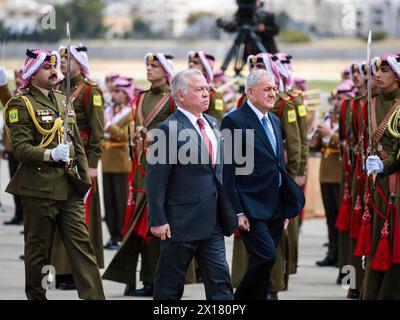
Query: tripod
x=246 y=43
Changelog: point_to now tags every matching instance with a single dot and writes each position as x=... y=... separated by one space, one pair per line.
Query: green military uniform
x=50 y=200
x=88 y=106
x=383 y=284
x=217 y=105
x=357 y=187
x=123 y=266
x=294 y=225
x=347 y=162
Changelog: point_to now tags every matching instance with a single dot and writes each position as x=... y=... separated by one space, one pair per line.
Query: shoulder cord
x=48 y=135
x=393 y=125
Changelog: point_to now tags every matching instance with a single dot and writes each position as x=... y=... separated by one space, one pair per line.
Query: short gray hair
x=255 y=76
x=180 y=82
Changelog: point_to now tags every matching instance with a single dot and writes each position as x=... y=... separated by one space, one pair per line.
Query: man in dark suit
x=266 y=196
x=184 y=192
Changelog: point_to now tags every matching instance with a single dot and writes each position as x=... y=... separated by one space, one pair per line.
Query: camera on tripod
x=245 y=16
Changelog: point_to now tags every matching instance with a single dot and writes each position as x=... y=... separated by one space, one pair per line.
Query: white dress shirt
x=209 y=129
x=260 y=115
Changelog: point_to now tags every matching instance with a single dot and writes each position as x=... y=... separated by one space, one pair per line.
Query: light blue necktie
x=266 y=123
x=272 y=140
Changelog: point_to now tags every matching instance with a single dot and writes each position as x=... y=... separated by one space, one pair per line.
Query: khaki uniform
x=294 y=225
x=116 y=166
x=88 y=106
x=330 y=177
x=49 y=194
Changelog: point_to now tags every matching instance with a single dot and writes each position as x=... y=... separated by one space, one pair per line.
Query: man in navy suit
x=266 y=196
x=186 y=203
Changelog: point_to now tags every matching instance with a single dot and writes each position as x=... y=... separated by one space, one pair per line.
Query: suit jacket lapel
x=255 y=123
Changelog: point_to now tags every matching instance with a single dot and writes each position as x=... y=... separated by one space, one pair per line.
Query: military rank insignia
x=219 y=104
x=13 y=115
x=45 y=115
x=291 y=116
x=302 y=110
x=97 y=100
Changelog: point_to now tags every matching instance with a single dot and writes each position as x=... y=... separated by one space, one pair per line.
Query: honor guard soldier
x=295 y=95
x=87 y=101
x=382 y=272
x=149 y=109
x=52 y=178
x=326 y=140
x=205 y=63
x=6 y=153
x=115 y=161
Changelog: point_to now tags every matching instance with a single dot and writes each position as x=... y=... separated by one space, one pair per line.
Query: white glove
x=3 y=76
x=61 y=152
x=374 y=165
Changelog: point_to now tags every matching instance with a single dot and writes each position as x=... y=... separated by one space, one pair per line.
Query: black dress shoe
x=327 y=262
x=14 y=221
x=111 y=245
x=272 y=296
x=146 y=291
x=353 y=294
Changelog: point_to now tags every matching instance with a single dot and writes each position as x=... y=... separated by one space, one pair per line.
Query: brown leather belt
x=330 y=152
